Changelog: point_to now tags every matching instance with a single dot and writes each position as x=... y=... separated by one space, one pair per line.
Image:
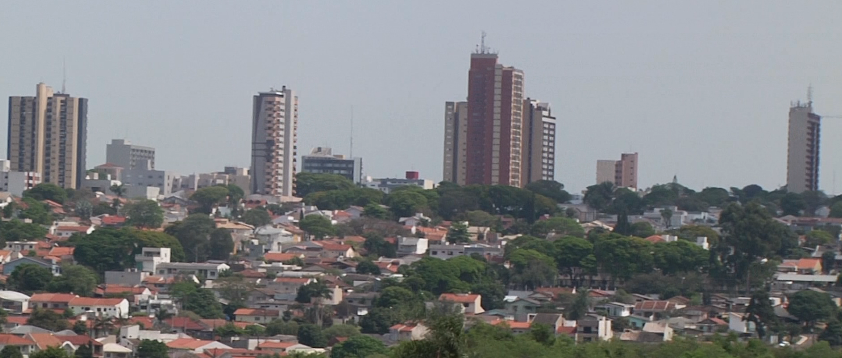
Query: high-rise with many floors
x=488 y=128
x=274 y=142
x=802 y=166
x=622 y=173
x=47 y=134
x=539 y=142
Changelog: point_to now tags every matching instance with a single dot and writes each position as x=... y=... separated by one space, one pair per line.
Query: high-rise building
x=322 y=160
x=455 y=141
x=539 y=142
x=622 y=173
x=495 y=122
x=47 y=135
x=802 y=166
x=274 y=143
x=124 y=154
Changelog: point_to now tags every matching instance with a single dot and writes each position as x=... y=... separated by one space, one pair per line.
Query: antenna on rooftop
x=810 y=95
x=63 y=75
x=352 y=133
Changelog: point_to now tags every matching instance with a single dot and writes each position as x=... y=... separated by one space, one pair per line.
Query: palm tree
x=102 y=323
x=119 y=190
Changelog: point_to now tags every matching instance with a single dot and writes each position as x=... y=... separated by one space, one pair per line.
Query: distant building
x=802 y=166
x=386 y=185
x=622 y=173
x=47 y=134
x=539 y=128
x=322 y=160
x=138 y=181
x=273 y=143
x=455 y=141
x=123 y=153
x=16 y=183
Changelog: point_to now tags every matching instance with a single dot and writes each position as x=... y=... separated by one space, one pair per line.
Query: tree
x=193 y=233
x=811 y=306
x=714 y=196
x=36 y=211
x=220 y=245
x=394 y=296
x=832 y=334
x=818 y=237
x=599 y=196
x=257 y=217
x=317 y=226
x=11 y=352
x=313 y=290
x=622 y=256
x=16 y=230
x=84 y=351
x=570 y=253
x=118 y=189
x=80 y=328
x=235 y=289
x=341 y=330
x=666 y=216
x=580 y=306
x=228 y=330
x=29 y=278
x=203 y=303
x=84 y=209
x=358 y=347
x=144 y=214
x=312 y=335
x=51 y=352
x=761 y=312
x=623 y=227
x=679 y=256
x=792 y=204
x=836 y=210
x=76 y=279
x=152 y=349
x=209 y=197
x=47 y=319
x=103 y=209
x=481 y=218
x=458 y=233
x=559 y=226
x=368 y=267
x=376 y=246
x=550 y=189
x=46 y=191
x=307 y=183
x=148 y=238
x=828 y=261
x=543 y=334
x=280 y=326
x=255 y=330
x=375 y=211
x=104 y=249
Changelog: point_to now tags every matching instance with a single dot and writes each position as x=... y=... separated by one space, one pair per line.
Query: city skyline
x=641 y=83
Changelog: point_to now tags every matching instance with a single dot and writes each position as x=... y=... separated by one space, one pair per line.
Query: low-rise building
x=150 y=257
x=53 y=301
x=386 y=185
x=105 y=307
x=412 y=246
x=209 y=271
x=14 y=302
x=409 y=331
x=253 y=315
x=593 y=328
x=471 y=303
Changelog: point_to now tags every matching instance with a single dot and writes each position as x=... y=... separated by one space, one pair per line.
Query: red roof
x=184 y=323
x=188 y=343
x=252 y=274
x=118 y=289
x=145 y=321
x=358 y=239
x=52 y=297
x=113 y=220
x=566 y=330
x=213 y=323
x=515 y=324
x=654 y=239
x=300 y=280
x=330 y=246
x=404 y=327
x=13 y=340
x=88 y=301
x=279 y=256
x=256 y=312
x=61 y=251
x=808 y=263
x=718 y=321
x=459 y=297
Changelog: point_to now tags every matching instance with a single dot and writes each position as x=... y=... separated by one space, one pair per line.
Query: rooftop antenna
x=810 y=95
x=352 y=132
x=63 y=75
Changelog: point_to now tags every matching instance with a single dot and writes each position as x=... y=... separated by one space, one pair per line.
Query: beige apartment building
x=47 y=134
x=455 y=141
x=539 y=128
x=622 y=173
x=274 y=143
x=802 y=165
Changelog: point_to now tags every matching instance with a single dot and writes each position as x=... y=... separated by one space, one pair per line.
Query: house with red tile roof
x=407 y=331
x=336 y=250
x=105 y=307
x=804 y=266
x=51 y=300
x=67 y=231
x=26 y=345
x=256 y=315
x=192 y=345
x=515 y=326
x=113 y=221
x=280 y=347
x=281 y=257
x=470 y=302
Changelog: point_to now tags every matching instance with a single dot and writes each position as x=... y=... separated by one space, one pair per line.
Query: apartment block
x=47 y=134
x=622 y=173
x=322 y=160
x=802 y=165
x=539 y=142
x=455 y=141
x=274 y=143
x=126 y=155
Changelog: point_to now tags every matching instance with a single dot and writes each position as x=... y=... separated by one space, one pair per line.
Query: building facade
x=123 y=153
x=47 y=134
x=455 y=141
x=139 y=180
x=495 y=122
x=273 y=143
x=622 y=173
x=16 y=183
x=802 y=165
x=386 y=185
x=539 y=138
x=322 y=160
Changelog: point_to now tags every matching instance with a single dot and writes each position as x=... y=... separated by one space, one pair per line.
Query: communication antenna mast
x=810 y=95
x=352 y=132
x=63 y=75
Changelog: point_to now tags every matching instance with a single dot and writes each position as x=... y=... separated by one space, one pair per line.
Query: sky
x=700 y=89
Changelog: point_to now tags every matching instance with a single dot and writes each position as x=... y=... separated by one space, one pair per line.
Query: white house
x=417 y=219
x=13 y=301
x=69 y=230
x=737 y=324
x=150 y=257
x=618 y=309
x=412 y=246
x=209 y=271
x=105 y=307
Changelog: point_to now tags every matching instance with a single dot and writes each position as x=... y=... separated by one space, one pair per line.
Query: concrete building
x=802 y=165
x=47 y=134
x=150 y=257
x=539 y=142
x=622 y=173
x=495 y=122
x=386 y=185
x=138 y=181
x=273 y=142
x=16 y=183
x=322 y=160
x=455 y=141
x=126 y=155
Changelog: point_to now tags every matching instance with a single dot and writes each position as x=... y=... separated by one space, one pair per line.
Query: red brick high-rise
x=495 y=122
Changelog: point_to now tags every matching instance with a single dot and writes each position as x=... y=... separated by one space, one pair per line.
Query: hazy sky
x=701 y=89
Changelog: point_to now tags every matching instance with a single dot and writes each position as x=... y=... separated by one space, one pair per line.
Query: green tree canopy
x=368 y=267
x=46 y=191
x=209 y=197
x=358 y=347
x=458 y=233
x=220 y=245
x=51 y=352
x=76 y=279
x=105 y=249
x=16 y=230
x=312 y=335
x=257 y=217
x=194 y=235
x=811 y=306
x=47 y=319
x=318 y=226
x=550 y=189
x=11 y=351
x=152 y=349
x=29 y=278
x=147 y=238
x=559 y=226
x=144 y=214
x=307 y=183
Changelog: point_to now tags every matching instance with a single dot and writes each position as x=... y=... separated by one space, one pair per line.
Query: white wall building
x=143 y=176
x=101 y=307
x=16 y=182
x=150 y=257
x=209 y=271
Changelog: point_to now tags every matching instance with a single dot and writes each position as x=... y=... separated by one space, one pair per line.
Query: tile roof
x=185 y=323
x=404 y=327
x=256 y=312
x=808 y=263
x=300 y=280
x=117 y=289
x=61 y=251
x=654 y=306
x=279 y=256
x=655 y=239
x=213 y=323
x=52 y=297
x=459 y=297
x=113 y=220
x=88 y=301
x=188 y=343
x=515 y=324
x=13 y=340
x=276 y=345
x=330 y=246
x=44 y=340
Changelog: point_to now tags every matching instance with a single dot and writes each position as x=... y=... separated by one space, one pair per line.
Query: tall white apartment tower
x=802 y=165
x=273 y=142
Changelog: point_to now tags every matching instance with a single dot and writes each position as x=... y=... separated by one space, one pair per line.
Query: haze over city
x=700 y=90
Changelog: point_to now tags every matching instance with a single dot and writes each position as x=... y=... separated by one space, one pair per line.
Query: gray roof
x=25 y=329
x=546 y=318
x=806 y=278
x=13 y=296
